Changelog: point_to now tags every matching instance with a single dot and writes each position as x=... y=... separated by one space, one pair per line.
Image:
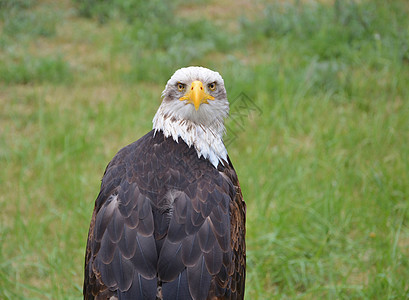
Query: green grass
x=324 y=167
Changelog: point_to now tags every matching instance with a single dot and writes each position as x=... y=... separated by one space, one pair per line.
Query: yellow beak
x=196 y=95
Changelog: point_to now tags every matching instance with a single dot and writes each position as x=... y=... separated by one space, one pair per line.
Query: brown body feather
x=166 y=225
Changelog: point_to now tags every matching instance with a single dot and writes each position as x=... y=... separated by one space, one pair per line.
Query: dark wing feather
x=238 y=232
x=166 y=223
x=190 y=250
x=177 y=289
x=121 y=257
x=199 y=279
x=141 y=288
x=170 y=261
x=229 y=283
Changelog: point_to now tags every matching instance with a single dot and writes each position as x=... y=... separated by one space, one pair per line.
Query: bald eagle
x=169 y=220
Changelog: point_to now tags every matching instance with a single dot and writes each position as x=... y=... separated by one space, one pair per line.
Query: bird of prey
x=169 y=220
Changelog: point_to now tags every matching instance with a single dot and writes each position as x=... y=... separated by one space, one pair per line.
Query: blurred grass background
x=324 y=168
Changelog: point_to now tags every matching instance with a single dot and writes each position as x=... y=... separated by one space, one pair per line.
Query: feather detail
x=208 y=142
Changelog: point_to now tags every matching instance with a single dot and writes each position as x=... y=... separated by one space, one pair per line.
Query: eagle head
x=196 y=94
x=194 y=107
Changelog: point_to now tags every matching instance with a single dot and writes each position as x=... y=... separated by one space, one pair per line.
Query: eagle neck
x=207 y=140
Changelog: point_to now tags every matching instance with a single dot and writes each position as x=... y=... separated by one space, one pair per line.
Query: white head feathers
x=201 y=126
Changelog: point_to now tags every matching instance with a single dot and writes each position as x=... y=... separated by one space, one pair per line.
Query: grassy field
x=321 y=145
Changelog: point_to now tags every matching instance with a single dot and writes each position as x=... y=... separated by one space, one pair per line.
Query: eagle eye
x=181 y=86
x=212 y=86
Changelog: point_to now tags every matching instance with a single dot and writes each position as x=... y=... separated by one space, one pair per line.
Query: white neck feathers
x=207 y=140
